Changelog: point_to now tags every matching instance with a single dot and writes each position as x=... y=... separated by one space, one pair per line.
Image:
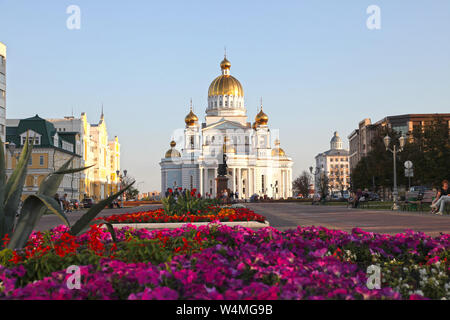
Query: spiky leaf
x=53 y=206
x=84 y=221
x=32 y=210
x=15 y=180
x=2 y=190
x=75 y=170
x=51 y=183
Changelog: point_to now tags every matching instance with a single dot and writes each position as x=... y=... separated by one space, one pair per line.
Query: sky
x=316 y=64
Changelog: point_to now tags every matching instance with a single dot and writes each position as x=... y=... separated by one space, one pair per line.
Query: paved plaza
x=285 y=216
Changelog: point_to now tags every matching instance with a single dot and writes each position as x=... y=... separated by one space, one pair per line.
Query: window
x=30 y=161
x=41 y=160
x=263 y=184
x=2 y=93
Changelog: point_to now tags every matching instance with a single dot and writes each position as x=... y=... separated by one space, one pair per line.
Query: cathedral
x=256 y=163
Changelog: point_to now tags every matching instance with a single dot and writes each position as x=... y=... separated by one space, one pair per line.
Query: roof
x=43 y=127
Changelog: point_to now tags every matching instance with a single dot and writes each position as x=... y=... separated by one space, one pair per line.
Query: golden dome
x=225 y=84
x=191 y=118
x=277 y=151
x=225 y=64
x=254 y=126
x=172 y=152
x=261 y=118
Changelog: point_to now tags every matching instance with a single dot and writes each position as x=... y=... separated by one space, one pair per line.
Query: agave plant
x=35 y=206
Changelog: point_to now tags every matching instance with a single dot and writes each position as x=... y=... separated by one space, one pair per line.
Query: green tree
x=427 y=147
x=302 y=184
x=429 y=150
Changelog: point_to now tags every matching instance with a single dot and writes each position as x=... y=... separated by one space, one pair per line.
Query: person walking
x=442 y=199
x=56 y=197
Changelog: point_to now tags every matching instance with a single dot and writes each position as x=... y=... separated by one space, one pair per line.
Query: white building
x=2 y=91
x=256 y=163
x=334 y=164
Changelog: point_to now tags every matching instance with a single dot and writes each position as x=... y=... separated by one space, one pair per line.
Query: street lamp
x=120 y=177
x=387 y=141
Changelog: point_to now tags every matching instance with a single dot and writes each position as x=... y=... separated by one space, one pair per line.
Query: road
x=290 y=215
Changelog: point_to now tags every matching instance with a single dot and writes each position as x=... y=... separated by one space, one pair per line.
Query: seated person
x=442 y=199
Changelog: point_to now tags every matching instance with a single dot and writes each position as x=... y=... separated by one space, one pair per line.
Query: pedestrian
x=442 y=199
x=58 y=200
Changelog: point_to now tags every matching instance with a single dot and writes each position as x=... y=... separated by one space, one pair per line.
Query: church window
x=226 y=103
x=220 y=103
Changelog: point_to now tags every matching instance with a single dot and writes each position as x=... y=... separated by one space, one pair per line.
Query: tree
x=301 y=185
x=427 y=147
x=324 y=185
x=429 y=150
x=132 y=192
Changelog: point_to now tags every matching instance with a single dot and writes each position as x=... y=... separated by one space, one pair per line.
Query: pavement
x=285 y=216
x=50 y=221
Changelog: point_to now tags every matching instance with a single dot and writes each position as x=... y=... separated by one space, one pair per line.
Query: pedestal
x=222 y=184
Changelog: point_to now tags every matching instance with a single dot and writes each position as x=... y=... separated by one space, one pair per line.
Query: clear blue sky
x=315 y=63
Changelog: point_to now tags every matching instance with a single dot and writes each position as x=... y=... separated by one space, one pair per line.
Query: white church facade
x=256 y=164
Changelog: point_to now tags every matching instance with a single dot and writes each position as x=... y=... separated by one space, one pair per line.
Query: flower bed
x=212 y=214
x=219 y=262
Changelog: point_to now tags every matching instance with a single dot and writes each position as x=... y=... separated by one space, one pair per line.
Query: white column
x=214 y=183
x=234 y=180
x=247 y=184
x=250 y=182
x=201 y=181
x=285 y=184
x=255 y=190
x=239 y=187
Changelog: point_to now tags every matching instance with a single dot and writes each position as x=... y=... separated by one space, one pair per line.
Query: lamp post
x=387 y=141
x=121 y=177
x=316 y=171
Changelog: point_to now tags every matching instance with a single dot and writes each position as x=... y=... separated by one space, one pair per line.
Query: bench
x=428 y=198
x=412 y=201
x=363 y=202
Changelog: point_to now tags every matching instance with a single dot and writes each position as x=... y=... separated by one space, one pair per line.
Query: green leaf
x=51 y=183
x=2 y=173
x=15 y=180
x=84 y=221
x=75 y=170
x=53 y=206
x=2 y=190
x=32 y=210
x=110 y=228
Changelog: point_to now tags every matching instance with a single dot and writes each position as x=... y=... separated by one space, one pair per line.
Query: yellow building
x=96 y=149
x=51 y=149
